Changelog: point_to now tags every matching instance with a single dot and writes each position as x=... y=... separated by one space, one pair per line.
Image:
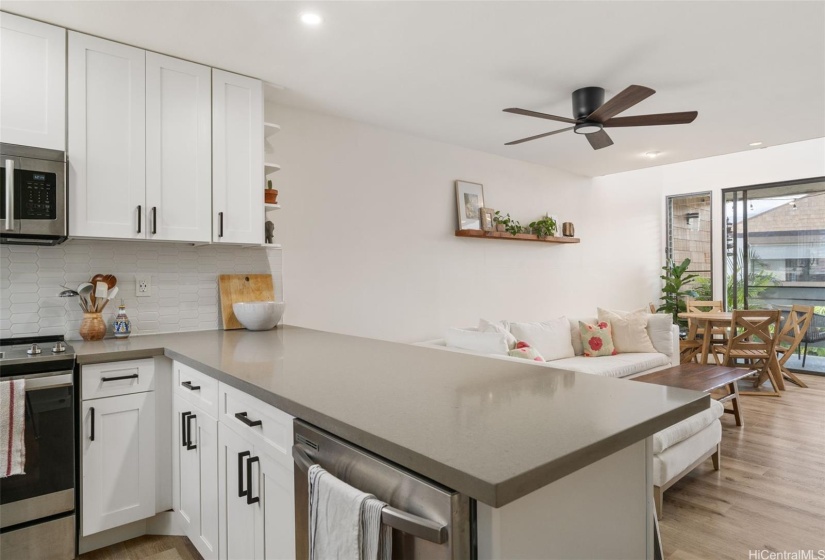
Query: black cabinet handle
x=119 y=378
x=243 y=418
x=92 y=435
x=154 y=220
x=249 y=499
x=189 y=444
x=140 y=217
x=183 y=416
x=188 y=385
x=241 y=491
x=220 y=224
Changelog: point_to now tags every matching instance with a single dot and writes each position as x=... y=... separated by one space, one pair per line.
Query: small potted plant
x=543 y=228
x=270 y=194
x=508 y=224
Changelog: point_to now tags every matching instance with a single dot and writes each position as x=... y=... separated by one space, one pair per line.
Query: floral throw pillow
x=526 y=352
x=596 y=339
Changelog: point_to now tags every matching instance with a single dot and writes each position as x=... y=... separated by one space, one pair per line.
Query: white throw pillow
x=481 y=342
x=502 y=327
x=550 y=338
x=629 y=330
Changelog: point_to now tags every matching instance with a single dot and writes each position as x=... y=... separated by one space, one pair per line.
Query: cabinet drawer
x=117 y=378
x=274 y=429
x=197 y=388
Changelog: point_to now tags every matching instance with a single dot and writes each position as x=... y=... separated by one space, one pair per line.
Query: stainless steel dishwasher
x=429 y=521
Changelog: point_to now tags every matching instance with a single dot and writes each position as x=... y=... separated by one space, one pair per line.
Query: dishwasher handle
x=395 y=518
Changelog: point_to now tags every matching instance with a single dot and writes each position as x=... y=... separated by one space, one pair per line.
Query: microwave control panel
x=38 y=194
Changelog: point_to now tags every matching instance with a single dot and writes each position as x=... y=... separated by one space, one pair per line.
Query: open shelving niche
x=270 y=129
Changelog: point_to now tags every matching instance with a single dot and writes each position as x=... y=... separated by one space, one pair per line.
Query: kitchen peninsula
x=560 y=456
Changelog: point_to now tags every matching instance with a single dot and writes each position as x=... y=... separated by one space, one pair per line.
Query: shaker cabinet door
x=178 y=149
x=118 y=453
x=33 y=78
x=237 y=159
x=107 y=140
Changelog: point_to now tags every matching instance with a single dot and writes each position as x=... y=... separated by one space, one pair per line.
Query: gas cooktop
x=34 y=353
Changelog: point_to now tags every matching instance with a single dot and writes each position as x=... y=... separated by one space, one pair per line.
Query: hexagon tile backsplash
x=184 y=284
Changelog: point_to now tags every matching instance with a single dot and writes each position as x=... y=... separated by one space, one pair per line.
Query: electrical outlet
x=143 y=285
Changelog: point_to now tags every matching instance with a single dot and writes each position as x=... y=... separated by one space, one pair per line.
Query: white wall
x=799 y=160
x=367 y=228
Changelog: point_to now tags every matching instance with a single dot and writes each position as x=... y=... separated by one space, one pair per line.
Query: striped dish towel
x=12 y=425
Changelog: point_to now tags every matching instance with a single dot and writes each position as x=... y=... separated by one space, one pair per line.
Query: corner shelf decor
x=481 y=234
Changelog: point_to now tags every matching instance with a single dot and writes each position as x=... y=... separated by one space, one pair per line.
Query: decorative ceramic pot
x=271 y=196
x=500 y=227
x=122 y=326
x=93 y=327
x=567 y=229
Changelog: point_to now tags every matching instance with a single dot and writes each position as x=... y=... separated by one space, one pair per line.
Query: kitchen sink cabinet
x=237 y=159
x=195 y=476
x=118 y=461
x=33 y=74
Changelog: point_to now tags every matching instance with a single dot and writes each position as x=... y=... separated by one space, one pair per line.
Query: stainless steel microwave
x=33 y=207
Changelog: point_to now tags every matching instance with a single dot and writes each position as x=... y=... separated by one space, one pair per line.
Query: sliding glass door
x=775 y=252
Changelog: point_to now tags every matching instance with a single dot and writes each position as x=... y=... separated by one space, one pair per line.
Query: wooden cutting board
x=236 y=288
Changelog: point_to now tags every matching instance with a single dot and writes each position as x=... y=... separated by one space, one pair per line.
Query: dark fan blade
x=528 y=113
x=537 y=136
x=653 y=120
x=622 y=101
x=599 y=140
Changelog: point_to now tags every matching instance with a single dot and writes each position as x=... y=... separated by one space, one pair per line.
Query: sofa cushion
x=687 y=427
x=629 y=329
x=575 y=334
x=482 y=342
x=525 y=352
x=660 y=331
x=674 y=460
x=550 y=338
x=500 y=327
x=620 y=365
x=597 y=340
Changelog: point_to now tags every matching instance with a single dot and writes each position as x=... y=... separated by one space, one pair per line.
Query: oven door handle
x=9 y=217
x=51 y=382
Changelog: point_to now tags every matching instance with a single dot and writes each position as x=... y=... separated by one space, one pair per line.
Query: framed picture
x=469 y=202
x=487 y=223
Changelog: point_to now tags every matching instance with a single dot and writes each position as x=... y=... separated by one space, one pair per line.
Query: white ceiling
x=755 y=71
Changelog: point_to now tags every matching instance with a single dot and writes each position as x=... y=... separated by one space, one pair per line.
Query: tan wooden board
x=236 y=288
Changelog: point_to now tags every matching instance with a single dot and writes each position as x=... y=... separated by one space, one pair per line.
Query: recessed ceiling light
x=652 y=155
x=755 y=144
x=310 y=18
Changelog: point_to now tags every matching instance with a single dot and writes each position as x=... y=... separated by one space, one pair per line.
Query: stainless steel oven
x=37 y=519
x=33 y=202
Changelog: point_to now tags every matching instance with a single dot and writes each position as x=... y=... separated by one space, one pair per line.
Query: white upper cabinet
x=178 y=149
x=237 y=159
x=107 y=140
x=33 y=78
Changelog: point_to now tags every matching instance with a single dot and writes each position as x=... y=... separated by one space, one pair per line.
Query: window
x=688 y=237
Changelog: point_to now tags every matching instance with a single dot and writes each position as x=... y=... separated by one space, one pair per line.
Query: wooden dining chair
x=753 y=336
x=652 y=308
x=719 y=334
x=790 y=337
x=700 y=306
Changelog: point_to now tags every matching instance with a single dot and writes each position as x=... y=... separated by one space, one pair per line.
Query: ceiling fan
x=592 y=115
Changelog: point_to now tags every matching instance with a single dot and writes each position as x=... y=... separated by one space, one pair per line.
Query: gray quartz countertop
x=492 y=429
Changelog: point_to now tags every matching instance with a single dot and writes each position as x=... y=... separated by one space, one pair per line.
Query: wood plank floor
x=770 y=492
x=149 y=547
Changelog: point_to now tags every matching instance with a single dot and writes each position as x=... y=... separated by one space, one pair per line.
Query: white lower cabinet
x=195 y=476
x=256 y=500
x=118 y=453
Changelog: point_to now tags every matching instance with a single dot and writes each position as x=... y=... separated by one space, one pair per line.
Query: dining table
x=704 y=322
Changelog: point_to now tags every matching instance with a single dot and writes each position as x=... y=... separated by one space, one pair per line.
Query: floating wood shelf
x=481 y=234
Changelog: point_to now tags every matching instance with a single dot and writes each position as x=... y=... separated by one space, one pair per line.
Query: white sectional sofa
x=663 y=334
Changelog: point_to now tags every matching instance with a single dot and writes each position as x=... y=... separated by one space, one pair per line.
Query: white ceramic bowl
x=259 y=315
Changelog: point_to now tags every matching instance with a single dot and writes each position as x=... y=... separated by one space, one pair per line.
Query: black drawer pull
x=241 y=491
x=183 y=416
x=249 y=499
x=119 y=378
x=251 y=423
x=189 y=444
x=188 y=385
x=92 y=435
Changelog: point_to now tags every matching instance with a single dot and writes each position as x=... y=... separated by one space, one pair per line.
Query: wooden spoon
x=111 y=280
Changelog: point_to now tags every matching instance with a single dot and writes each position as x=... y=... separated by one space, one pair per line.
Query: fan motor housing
x=586 y=100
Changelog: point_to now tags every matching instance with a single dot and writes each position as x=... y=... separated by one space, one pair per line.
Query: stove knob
x=34 y=350
x=58 y=348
